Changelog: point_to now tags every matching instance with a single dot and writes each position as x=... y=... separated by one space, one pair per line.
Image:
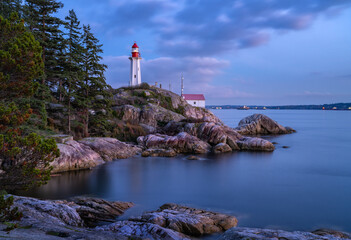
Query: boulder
x=259 y=124
x=222 y=148
x=189 y=221
x=255 y=144
x=142 y=230
x=61 y=138
x=110 y=148
x=94 y=210
x=266 y=234
x=159 y=153
x=181 y=143
x=75 y=156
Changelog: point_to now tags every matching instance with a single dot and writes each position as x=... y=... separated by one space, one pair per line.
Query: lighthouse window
x=194 y=102
x=134 y=76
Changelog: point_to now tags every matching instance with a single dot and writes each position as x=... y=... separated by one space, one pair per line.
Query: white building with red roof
x=196 y=100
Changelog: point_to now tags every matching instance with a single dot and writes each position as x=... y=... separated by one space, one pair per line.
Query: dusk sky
x=264 y=52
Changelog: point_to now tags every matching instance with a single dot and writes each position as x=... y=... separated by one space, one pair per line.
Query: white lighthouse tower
x=135 y=76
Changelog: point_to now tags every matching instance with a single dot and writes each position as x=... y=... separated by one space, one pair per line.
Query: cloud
x=198 y=72
x=312 y=94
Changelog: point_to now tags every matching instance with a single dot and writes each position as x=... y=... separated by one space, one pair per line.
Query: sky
x=237 y=52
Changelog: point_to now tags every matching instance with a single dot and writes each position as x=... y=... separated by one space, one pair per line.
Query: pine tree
x=73 y=60
x=9 y=6
x=39 y=15
x=94 y=94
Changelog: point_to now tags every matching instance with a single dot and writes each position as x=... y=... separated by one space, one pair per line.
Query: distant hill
x=334 y=106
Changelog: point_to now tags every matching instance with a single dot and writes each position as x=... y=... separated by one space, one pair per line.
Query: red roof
x=135 y=46
x=194 y=96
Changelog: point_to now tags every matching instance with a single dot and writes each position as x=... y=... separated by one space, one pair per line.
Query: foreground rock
x=181 y=143
x=189 y=221
x=110 y=148
x=75 y=156
x=256 y=233
x=94 y=210
x=141 y=230
x=259 y=124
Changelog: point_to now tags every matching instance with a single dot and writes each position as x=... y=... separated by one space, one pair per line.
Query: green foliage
x=9 y=6
x=20 y=59
x=26 y=160
x=7 y=212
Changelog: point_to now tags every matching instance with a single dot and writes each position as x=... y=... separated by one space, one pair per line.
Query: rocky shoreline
x=172 y=139
x=92 y=218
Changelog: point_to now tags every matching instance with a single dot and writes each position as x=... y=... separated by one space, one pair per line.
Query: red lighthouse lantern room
x=135 y=51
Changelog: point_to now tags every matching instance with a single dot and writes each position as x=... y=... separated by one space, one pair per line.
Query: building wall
x=197 y=103
x=135 y=75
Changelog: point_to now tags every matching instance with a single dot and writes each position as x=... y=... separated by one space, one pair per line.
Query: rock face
x=259 y=124
x=110 y=148
x=256 y=233
x=189 y=221
x=74 y=156
x=181 y=143
x=220 y=136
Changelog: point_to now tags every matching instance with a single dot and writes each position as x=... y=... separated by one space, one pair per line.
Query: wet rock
x=189 y=221
x=75 y=156
x=255 y=144
x=159 y=153
x=192 y=157
x=181 y=143
x=266 y=234
x=110 y=148
x=142 y=230
x=285 y=147
x=94 y=210
x=330 y=232
x=222 y=148
x=47 y=211
x=259 y=124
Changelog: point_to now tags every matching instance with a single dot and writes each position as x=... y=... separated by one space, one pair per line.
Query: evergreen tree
x=93 y=92
x=9 y=6
x=73 y=67
x=25 y=159
x=39 y=15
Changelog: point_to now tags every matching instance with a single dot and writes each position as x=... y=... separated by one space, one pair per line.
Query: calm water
x=303 y=187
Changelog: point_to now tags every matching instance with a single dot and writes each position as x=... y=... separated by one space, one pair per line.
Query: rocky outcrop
x=216 y=134
x=259 y=124
x=189 y=221
x=256 y=233
x=94 y=210
x=90 y=152
x=110 y=148
x=181 y=143
x=74 y=156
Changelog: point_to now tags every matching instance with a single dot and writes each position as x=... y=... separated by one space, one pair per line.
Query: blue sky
x=264 y=52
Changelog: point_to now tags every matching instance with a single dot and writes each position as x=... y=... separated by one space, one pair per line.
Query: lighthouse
x=135 y=76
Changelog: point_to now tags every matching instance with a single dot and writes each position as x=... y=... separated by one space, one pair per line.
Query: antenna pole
x=182 y=85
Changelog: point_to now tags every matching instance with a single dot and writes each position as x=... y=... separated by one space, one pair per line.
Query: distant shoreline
x=334 y=107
